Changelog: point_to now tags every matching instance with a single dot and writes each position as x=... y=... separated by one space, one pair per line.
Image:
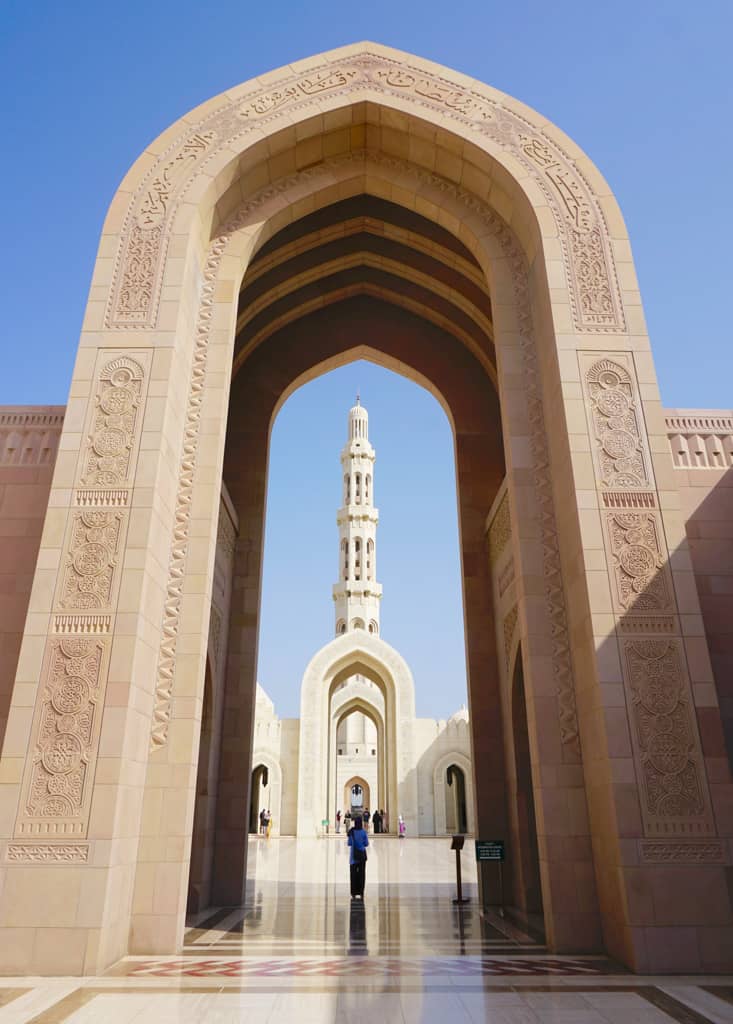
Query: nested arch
x=454 y=757
x=340 y=660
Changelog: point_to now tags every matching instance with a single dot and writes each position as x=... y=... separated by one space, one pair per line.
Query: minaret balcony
x=357 y=589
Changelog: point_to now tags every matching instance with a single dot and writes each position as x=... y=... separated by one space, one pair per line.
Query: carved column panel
x=59 y=775
x=669 y=764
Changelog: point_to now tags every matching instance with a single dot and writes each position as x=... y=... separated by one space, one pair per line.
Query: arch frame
x=384 y=759
x=439 y=787
x=550 y=239
x=347 y=655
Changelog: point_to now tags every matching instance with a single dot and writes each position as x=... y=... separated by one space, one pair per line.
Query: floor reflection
x=298 y=904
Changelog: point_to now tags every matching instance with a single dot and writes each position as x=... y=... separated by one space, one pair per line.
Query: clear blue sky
x=645 y=88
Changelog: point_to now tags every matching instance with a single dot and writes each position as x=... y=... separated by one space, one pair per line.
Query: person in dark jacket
x=358 y=841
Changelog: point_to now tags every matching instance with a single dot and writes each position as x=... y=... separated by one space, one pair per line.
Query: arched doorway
x=456 y=813
x=502 y=281
x=357 y=795
x=359 y=755
x=259 y=799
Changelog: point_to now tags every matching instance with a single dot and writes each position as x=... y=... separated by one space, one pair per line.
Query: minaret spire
x=357 y=594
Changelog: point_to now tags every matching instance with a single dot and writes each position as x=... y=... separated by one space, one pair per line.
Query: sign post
x=488 y=850
x=457 y=845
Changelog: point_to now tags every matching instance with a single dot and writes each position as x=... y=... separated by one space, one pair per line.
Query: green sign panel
x=489 y=849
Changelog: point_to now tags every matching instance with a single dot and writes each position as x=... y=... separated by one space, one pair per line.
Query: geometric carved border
x=589 y=265
x=48 y=853
x=709 y=851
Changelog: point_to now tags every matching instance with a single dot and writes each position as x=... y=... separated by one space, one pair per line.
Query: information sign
x=490 y=849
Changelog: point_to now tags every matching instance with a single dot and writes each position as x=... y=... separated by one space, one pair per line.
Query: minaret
x=357 y=594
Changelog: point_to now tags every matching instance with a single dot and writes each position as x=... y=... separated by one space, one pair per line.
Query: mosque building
x=365 y=746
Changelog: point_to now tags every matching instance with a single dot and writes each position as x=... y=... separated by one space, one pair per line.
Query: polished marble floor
x=301 y=950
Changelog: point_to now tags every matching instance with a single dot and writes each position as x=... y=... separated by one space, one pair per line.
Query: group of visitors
x=265 y=823
x=378 y=819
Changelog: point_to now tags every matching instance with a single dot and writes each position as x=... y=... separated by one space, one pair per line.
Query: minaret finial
x=358 y=396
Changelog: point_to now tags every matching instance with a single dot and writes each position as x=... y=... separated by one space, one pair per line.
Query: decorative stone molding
x=641 y=576
x=554 y=591
x=500 y=530
x=629 y=499
x=589 y=266
x=510 y=626
x=684 y=852
x=226 y=536
x=96 y=499
x=91 y=559
x=620 y=452
x=647 y=624
x=58 y=782
x=82 y=624
x=186 y=474
x=48 y=853
x=214 y=634
x=116 y=405
x=674 y=795
x=700 y=439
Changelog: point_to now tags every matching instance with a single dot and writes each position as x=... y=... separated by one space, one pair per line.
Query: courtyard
x=299 y=948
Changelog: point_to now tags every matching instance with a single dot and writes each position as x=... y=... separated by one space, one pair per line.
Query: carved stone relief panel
x=117 y=401
x=500 y=530
x=641 y=574
x=618 y=432
x=509 y=628
x=588 y=260
x=675 y=798
x=59 y=776
x=91 y=559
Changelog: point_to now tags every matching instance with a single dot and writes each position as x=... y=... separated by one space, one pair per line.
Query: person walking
x=347 y=822
x=338 y=822
x=263 y=822
x=366 y=820
x=402 y=827
x=358 y=841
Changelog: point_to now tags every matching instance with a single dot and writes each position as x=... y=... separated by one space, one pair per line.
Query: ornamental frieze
x=588 y=260
x=65 y=739
x=675 y=799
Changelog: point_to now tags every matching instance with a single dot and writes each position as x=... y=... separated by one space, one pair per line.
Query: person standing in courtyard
x=402 y=828
x=338 y=822
x=358 y=841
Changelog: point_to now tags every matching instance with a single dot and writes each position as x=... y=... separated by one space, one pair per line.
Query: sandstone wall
x=29 y=437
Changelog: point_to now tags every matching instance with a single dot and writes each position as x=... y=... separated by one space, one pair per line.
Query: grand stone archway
x=367 y=655
x=223 y=282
